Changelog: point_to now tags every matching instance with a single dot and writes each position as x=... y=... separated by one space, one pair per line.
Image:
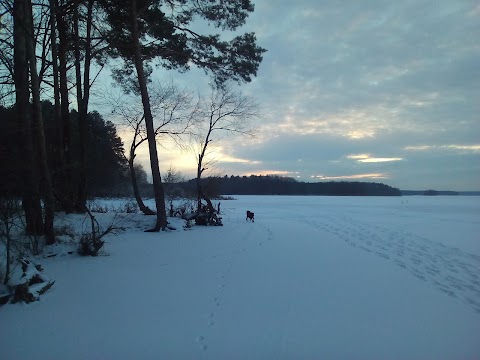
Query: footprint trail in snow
x=451 y=270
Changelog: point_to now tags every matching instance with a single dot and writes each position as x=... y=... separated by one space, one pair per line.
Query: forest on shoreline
x=279 y=185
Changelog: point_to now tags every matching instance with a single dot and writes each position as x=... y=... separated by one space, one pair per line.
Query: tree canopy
x=167 y=36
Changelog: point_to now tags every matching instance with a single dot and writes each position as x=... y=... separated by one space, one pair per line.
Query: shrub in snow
x=64 y=231
x=188 y=225
x=129 y=207
x=96 y=208
x=89 y=245
x=5 y=294
x=181 y=208
x=91 y=242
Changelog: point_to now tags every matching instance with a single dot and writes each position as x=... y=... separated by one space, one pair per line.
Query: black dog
x=250 y=215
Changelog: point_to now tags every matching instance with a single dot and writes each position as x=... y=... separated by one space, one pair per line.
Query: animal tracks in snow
x=228 y=261
x=450 y=270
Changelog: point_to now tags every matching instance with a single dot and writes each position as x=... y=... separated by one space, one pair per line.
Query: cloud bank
x=384 y=79
x=371 y=90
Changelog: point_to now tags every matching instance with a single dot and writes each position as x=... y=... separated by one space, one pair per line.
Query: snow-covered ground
x=311 y=278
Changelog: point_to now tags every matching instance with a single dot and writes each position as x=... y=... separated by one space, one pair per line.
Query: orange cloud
x=231 y=159
x=468 y=148
x=366 y=158
x=272 y=172
x=352 y=177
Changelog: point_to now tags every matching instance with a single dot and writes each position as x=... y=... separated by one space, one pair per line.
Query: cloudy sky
x=385 y=91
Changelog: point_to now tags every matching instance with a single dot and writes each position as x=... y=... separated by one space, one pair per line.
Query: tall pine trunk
x=79 y=207
x=66 y=179
x=39 y=132
x=82 y=100
x=161 y=223
x=58 y=159
x=30 y=198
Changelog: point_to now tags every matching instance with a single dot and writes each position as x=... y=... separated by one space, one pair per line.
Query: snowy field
x=311 y=278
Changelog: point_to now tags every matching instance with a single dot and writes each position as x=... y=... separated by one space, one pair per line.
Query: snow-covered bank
x=313 y=277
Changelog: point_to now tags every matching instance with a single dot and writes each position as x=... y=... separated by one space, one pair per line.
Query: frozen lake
x=436 y=239
x=312 y=277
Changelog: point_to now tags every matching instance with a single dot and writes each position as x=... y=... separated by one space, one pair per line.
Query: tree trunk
x=143 y=208
x=200 y=192
x=8 y=211
x=201 y=195
x=79 y=207
x=58 y=160
x=31 y=199
x=81 y=199
x=8 y=244
x=199 y=185
x=152 y=145
x=39 y=133
x=66 y=177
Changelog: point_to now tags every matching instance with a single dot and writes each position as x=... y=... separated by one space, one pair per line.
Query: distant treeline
x=440 y=192
x=278 y=185
x=429 y=192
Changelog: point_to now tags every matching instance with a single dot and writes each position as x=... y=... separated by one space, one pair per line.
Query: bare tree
x=171 y=180
x=224 y=111
x=174 y=112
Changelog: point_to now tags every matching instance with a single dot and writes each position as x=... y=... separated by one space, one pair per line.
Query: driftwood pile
x=208 y=218
x=203 y=217
x=29 y=286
